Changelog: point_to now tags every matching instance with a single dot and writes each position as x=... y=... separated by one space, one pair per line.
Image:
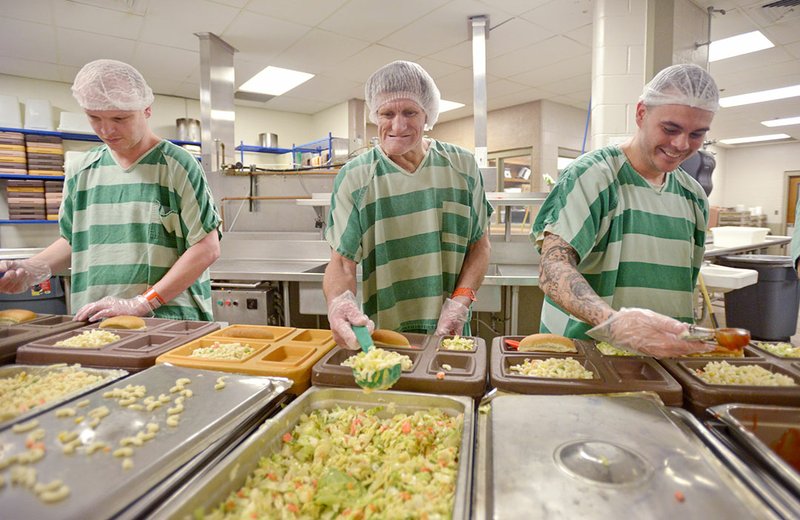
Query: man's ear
x=641 y=110
x=148 y=112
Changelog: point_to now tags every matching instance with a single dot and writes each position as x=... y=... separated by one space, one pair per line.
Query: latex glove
x=20 y=275
x=343 y=313
x=452 y=318
x=113 y=306
x=643 y=331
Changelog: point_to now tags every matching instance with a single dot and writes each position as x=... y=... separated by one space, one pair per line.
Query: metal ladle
x=731 y=338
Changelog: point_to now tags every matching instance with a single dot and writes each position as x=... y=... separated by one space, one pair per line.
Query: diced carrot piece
x=287 y=437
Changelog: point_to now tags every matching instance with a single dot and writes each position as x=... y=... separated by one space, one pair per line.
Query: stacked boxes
x=12 y=153
x=52 y=198
x=45 y=154
x=26 y=199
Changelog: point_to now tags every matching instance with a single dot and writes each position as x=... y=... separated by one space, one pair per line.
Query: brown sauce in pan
x=788 y=447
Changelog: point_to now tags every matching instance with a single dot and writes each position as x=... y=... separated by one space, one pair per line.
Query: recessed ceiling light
x=275 y=81
x=760 y=96
x=754 y=139
x=786 y=121
x=738 y=45
x=446 y=106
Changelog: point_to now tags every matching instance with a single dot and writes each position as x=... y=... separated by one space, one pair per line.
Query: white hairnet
x=402 y=80
x=683 y=84
x=111 y=85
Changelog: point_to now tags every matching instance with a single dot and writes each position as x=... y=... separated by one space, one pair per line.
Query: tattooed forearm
x=560 y=280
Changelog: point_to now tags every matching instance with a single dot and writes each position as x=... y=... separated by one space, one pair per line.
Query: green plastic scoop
x=379 y=379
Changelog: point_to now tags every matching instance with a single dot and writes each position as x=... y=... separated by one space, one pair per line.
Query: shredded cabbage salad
x=368 y=363
x=780 y=349
x=608 y=349
x=458 y=343
x=89 y=338
x=723 y=373
x=354 y=463
x=556 y=368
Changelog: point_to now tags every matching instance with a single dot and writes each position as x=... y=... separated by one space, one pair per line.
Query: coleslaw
x=780 y=349
x=458 y=343
x=723 y=373
x=557 y=368
x=365 y=364
x=355 y=463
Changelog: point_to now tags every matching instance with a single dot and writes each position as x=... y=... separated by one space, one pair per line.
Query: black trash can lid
x=760 y=260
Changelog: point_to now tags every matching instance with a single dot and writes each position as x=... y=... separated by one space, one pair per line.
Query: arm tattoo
x=560 y=280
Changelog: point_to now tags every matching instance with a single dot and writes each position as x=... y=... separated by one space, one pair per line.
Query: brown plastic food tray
x=612 y=374
x=769 y=355
x=699 y=395
x=467 y=376
x=289 y=353
x=134 y=351
x=13 y=336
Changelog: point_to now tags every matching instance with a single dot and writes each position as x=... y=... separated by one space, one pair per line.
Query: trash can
x=44 y=298
x=768 y=308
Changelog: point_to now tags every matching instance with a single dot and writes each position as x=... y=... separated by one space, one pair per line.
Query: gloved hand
x=643 y=331
x=452 y=318
x=20 y=275
x=343 y=313
x=113 y=306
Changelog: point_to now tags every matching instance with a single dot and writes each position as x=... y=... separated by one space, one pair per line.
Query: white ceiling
x=537 y=49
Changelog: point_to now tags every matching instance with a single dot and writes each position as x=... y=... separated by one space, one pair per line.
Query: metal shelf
x=31 y=177
x=70 y=136
x=7 y=221
x=318 y=146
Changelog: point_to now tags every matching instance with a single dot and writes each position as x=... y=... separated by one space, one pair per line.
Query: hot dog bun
x=389 y=337
x=546 y=343
x=250 y=333
x=124 y=322
x=14 y=316
x=720 y=352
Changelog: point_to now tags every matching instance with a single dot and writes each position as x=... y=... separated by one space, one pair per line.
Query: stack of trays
x=25 y=199
x=612 y=374
x=699 y=395
x=12 y=153
x=52 y=198
x=45 y=154
x=465 y=373
x=134 y=351
x=277 y=351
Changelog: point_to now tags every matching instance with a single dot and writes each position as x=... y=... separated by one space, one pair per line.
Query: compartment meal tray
x=612 y=374
x=229 y=475
x=598 y=457
x=12 y=336
x=99 y=486
x=134 y=351
x=282 y=352
x=466 y=376
x=9 y=371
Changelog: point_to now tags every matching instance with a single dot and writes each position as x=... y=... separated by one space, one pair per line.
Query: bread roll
x=389 y=337
x=720 y=352
x=123 y=322
x=15 y=316
x=250 y=333
x=546 y=343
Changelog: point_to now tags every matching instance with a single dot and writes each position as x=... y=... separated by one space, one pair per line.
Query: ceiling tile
x=361 y=65
x=460 y=55
x=173 y=64
x=514 y=7
x=27 y=40
x=174 y=23
x=77 y=48
x=556 y=71
x=376 y=20
x=299 y=105
x=260 y=38
x=319 y=51
x=329 y=89
x=534 y=56
x=111 y=22
x=29 y=10
x=306 y=12
x=514 y=34
x=561 y=15
x=437 y=68
x=29 y=69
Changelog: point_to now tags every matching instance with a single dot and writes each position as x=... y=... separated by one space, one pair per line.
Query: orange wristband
x=153 y=298
x=465 y=291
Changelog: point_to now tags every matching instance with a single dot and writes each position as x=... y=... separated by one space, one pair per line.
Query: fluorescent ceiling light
x=738 y=45
x=275 y=81
x=754 y=139
x=446 y=106
x=761 y=96
x=786 y=121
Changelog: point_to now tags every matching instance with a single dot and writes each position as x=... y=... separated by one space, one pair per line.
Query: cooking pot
x=267 y=140
x=188 y=129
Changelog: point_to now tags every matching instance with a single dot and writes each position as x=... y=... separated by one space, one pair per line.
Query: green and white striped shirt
x=410 y=232
x=127 y=227
x=638 y=245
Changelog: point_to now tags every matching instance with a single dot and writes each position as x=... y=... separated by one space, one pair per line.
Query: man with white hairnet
x=138 y=223
x=622 y=234
x=413 y=212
